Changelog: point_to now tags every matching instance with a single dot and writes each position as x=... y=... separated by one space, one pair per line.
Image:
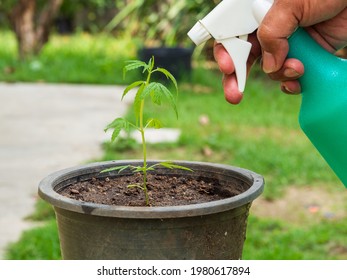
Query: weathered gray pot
x=212 y=230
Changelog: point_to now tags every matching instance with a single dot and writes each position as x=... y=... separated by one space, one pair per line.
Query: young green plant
x=156 y=92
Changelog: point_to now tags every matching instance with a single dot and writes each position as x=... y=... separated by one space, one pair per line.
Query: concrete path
x=44 y=128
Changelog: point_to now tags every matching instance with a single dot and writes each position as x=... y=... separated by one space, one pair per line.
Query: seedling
x=156 y=92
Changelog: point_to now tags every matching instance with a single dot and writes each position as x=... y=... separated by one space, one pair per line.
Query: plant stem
x=144 y=148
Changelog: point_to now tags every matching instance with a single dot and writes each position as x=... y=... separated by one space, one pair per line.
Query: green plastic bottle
x=323 y=112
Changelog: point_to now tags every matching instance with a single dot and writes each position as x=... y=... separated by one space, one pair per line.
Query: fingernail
x=291 y=73
x=269 y=63
x=285 y=89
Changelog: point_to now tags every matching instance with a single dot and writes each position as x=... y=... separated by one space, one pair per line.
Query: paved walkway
x=44 y=128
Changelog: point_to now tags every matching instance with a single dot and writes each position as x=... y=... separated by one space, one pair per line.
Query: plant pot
x=177 y=60
x=211 y=230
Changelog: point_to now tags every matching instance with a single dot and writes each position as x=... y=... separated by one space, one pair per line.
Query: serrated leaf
x=152 y=89
x=148 y=90
x=151 y=64
x=156 y=97
x=115 y=134
x=164 y=91
x=169 y=76
x=137 y=102
x=117 y=125
x=170 y=165
x=138 y=169
x=157 y=91
x=116 y=168
x=155 y=123
x=130 y=87
x=132 y=65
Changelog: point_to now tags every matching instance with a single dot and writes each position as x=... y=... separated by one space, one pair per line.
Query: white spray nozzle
x=199 y=34
x=229 y=23
x=260 y=9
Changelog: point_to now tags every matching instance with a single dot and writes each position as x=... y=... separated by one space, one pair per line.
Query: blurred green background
x=302 y=213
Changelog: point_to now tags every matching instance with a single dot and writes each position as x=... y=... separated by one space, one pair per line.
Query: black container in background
x=176 y=60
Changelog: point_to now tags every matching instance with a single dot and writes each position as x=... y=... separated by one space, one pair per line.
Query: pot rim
x=46 y=191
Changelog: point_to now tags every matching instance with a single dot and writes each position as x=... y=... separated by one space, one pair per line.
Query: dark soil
x=163 y=190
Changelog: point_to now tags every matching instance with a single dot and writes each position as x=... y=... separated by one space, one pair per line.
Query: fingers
x=292 y=69
x=226 y=66
x=223 y=59
x=328 y=19
x=324 y=20
x=231 y=90
x=279 y=23
x=291 y=87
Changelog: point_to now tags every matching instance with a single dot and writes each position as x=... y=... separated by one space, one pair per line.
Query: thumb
x=278 y=24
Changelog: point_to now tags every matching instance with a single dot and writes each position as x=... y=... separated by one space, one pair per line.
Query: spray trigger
x=230 y=23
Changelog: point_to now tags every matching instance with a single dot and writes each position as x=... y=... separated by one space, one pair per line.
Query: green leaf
x=134 y=64
x=157 y=91
x=137 y=102
x=169 y=76
x=133 y=186
x=138 y=169
x=170 y=165
x=156 y=97
x=150 y=64
x=130 y=87
x=117 y=168
x=149 y=89
x=155 y=123
x=117 y=125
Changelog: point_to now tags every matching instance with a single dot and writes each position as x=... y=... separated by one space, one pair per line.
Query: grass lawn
x=82 y=58
x=302 y=212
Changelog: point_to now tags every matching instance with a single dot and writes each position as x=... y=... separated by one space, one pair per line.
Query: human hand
x=325 y=21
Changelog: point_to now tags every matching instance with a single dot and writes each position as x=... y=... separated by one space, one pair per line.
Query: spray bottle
x=323 y=111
